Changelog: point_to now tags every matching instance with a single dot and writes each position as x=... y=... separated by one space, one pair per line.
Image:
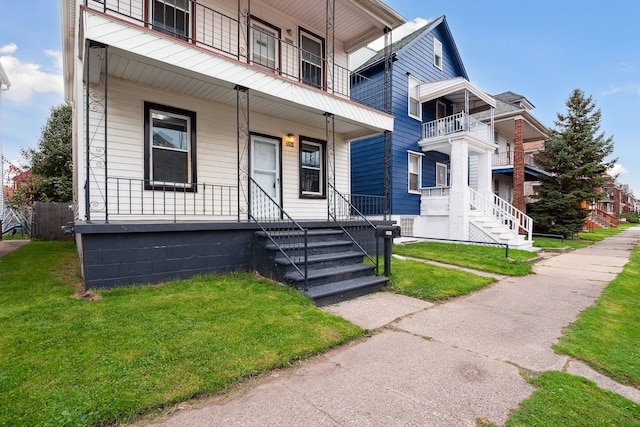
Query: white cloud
x=28 y=78
x=8 y=48
x=403 y=30
x=617 y=170
x=631 y=88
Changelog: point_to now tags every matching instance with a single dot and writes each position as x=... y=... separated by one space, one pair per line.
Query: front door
x=265 y=164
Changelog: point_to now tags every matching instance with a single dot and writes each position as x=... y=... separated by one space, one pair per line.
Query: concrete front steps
x=335 y=267
x=499 y=232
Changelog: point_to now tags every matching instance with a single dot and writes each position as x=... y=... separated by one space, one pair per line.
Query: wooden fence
x=48 y=219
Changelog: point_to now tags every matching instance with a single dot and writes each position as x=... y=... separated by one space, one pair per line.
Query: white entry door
x=265 y=165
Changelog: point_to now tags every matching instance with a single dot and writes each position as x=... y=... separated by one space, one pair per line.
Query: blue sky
x=541 y=49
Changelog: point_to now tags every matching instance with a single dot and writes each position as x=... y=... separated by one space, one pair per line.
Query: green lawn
x=607 y=335
x=484 y=258
x=550 y=242
x=564 y=400
x=433 y=283
x=68 y=361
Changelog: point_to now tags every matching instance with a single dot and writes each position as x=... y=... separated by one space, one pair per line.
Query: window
x=415 y=172
x=415 y=109
x=311 y=59
x=171 y=17
x=264 y=44
x=170 y=140
x=312 y=168
x=441 y=175
x=437 y=53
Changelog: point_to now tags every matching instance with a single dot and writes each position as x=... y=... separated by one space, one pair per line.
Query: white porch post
x=459 y=191
x=484 y=173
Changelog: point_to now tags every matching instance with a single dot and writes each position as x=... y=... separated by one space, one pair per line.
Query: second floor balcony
x=280 y=47
x=456 y=124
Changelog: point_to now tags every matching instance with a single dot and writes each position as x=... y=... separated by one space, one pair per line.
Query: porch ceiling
x=357 y=22
x=454 y=89
x=130 y=67
x=530 y=132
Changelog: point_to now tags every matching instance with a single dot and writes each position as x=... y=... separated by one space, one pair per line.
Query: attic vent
x=406 y=226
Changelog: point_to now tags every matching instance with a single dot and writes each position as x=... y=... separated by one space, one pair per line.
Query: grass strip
x=68 y=361
x=433 y=283
x=607 y=335
x=484 y=258
x=564 y=400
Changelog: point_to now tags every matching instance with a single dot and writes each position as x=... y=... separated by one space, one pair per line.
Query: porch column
x=330 y=40
x=242 y=140
x=518 y=166
x=244 y=15
x=459 y=191
x=484 y=173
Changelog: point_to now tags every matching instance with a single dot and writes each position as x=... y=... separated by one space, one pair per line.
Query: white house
x=201 y=128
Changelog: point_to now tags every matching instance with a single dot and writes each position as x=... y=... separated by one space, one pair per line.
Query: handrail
x=502 y=211
x=340 y=208
x=283 y=231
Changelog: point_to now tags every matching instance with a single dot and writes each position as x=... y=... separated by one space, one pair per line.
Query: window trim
x=440 y=165
x=323 y=168
x=437 y=54
x=418 y=156
x=149 y=183
x=311 y=35
x=264 y=26
x=412 y=83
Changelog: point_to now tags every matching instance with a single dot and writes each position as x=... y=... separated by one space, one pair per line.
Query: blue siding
x=367 y=156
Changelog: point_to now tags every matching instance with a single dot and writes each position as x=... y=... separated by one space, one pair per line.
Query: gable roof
x=405 y=42
x=514 y=99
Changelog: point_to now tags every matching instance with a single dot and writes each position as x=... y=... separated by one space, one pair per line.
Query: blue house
x=435 y=171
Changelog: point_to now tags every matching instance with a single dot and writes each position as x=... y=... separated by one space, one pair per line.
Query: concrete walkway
x=433 y=365
x=7 y=246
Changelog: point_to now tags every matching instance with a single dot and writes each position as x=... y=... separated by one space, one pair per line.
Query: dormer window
x=437 y=53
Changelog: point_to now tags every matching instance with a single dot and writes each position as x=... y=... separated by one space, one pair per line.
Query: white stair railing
x=504 y=212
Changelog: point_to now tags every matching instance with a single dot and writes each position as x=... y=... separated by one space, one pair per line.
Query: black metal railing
x=369 y=205
x=289 y=237
x=213 y=30
x=354 y=224
x=139 y=197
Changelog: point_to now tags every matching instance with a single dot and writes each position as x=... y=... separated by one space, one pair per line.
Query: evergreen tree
x=52 y=163
x=574 y=156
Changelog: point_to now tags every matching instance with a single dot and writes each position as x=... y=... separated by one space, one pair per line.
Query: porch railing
x=504 y=212
x=139 y=197
x=289 y=237
x=369 y=205
x=210 y=29
x=602 y=218
x=503 y=158
x=460 y=122
x=342 y=212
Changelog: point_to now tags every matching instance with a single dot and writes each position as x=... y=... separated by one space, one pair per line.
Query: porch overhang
x=136 y=53
x=455 y=89
x=531 y=173
x=532 y=129
x=443 y=144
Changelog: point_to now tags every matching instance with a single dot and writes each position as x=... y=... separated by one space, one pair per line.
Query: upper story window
x=441 y=174
x=415 y=172
x=264 y=44
x=169 y=146
x=171 y=17
x=437 y=53
x=312 y=168
x=311 y=59
x=415 y=109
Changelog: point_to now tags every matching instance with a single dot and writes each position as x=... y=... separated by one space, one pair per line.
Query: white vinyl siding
x=413 y=90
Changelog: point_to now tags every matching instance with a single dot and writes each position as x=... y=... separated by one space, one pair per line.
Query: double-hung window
x=415 y=172
x=264 y=44
x=437 y=53
x=311 y=59
x=415 y=109
x=170 y=139
x=312 y=168
x=441 y=175
x=171 y=17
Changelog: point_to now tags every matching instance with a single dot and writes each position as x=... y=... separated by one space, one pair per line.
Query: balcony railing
x=210 y=29
x=460 y=122
x=505 y=158
x=137 y=197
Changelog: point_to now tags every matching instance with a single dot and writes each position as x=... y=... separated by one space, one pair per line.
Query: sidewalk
x=7 y=246
x=442 y=365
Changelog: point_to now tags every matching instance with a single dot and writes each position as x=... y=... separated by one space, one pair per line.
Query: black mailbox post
x=388 y=232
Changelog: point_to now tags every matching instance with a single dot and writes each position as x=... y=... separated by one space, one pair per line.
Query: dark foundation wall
x=120 y=255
